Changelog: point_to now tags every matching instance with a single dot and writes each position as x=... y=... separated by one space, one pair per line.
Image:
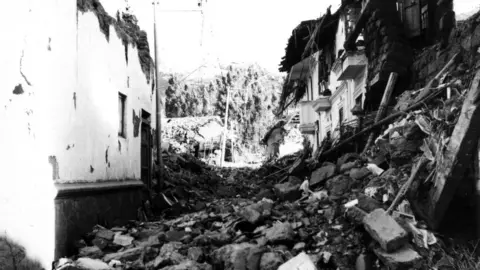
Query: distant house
x=78 y=109
x=205 y=131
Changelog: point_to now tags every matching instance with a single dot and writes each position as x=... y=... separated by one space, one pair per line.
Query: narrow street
x=240 y=135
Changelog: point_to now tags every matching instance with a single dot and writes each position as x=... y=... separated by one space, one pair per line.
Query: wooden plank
x=383 y=106
x=435 y=81
x=386 y=120
x=457 y=156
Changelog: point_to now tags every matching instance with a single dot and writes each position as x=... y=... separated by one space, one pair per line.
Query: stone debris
x=404 y=258
x=265 y=218
x=122 y=240
x=280 y=233
x=301 y=262
x=385 y=230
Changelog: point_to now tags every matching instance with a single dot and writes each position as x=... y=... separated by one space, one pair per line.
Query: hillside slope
x=253 y=98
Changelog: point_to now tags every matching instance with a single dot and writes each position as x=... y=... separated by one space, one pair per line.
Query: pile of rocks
x=303 y=214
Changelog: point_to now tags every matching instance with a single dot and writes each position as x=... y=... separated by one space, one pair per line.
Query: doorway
x=146 y=150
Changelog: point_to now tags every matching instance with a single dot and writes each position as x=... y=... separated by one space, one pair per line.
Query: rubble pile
x=187 y=186
x=302 y=212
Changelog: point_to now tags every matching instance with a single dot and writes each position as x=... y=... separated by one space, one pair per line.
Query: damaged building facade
x=340 y=73
x=78 y=109
x=424 y=46
x=331 y=78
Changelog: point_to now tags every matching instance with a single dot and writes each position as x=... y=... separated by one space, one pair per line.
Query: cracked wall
x=60 y=81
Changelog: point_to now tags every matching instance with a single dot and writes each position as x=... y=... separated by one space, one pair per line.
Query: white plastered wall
x=52 y=57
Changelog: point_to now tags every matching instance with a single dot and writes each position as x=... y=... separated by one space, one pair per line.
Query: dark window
x=340 y=120
x=121 y=114
x=358 y=100
x=340 y=115
x=311 y=86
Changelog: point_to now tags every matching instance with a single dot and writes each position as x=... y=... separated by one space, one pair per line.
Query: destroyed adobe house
x=77 y=114
x=372 y=39
x=453 y=189
x=324 y=78
x=206 y=131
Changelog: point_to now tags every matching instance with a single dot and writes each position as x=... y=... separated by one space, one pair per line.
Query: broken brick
x=404 y=258
x=385 y=230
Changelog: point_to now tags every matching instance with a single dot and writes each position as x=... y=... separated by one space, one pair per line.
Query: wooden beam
x=457 y=156
x=383 y=106
x=311 y=41
x=385 y=120
x=435 y=81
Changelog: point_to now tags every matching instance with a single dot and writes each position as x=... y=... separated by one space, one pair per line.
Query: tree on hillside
x=253 y=97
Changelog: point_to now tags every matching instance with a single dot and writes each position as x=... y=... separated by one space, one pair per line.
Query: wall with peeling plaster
x=59 y=114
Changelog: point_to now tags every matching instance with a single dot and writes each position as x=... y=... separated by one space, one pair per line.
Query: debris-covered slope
x=396 y=206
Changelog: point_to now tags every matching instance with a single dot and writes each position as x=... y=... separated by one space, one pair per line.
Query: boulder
x=150 y=241
x=105 y=234
x=345 y=168
x=101 y=243
x=402 y=151
x=271 y=261
x=359 y=173
x=265 y=193
x=91 y=252
x=365 y=262
x=323 y=173
x=299 y=246
x=175 y=236
x=195 y=254
x=280 y=233
x=288 y=191
x=404 y=258
x=126 y=255
x=257 y=211
x=168 y=255
x=236 y=256
x=189 y=265
x=91 y=264
x=122 y=239
x=355 y=214
x=339 y=185
x=367 y=204
x=212 y=238
x=300 y=262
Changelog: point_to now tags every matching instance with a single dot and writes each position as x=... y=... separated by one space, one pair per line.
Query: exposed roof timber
x=315 y=32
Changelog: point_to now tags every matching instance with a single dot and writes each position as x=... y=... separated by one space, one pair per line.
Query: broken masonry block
x=385 y=230
x=404 y=258
x=300 y=262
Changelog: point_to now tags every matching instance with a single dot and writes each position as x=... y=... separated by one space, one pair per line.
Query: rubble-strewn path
x=354 y=212
x=244 y=220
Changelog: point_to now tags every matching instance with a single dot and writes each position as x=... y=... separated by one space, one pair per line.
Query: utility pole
x=225 y=129
x=159 y=103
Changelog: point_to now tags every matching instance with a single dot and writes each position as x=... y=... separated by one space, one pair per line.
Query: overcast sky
x=229 y=30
